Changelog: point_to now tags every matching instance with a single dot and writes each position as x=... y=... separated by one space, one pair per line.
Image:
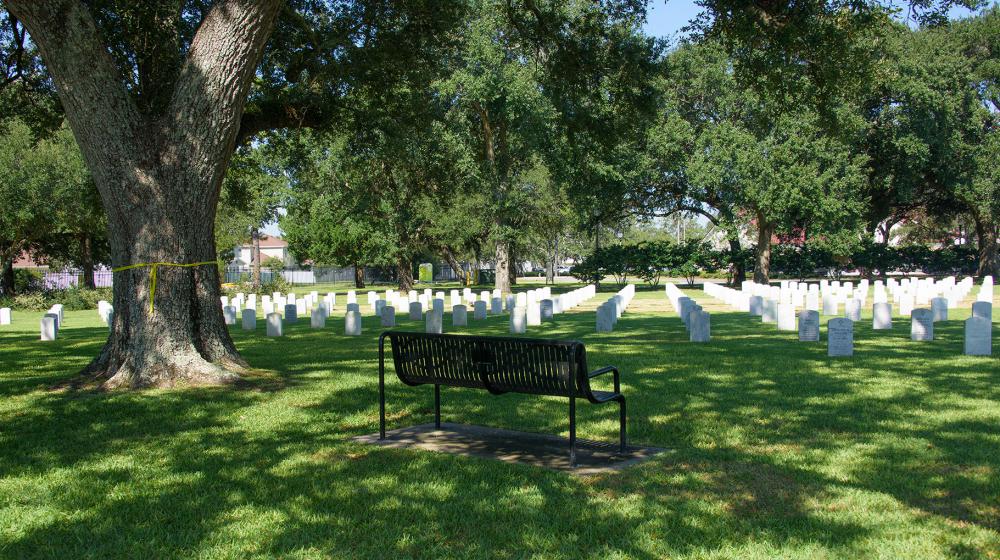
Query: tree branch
x=215 y=78
x=277 y=114
x=99 y=108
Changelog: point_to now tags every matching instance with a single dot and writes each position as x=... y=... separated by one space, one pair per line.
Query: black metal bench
x=499 y=365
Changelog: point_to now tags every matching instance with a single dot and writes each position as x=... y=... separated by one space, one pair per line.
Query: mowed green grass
x=776 y=451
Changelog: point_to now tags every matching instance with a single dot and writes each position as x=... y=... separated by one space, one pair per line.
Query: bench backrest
x=498 y=364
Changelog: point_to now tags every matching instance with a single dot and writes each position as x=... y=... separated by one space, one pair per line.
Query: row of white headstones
x=779 y=304
x=51 y=321
x=526 y=309
x=611 y=310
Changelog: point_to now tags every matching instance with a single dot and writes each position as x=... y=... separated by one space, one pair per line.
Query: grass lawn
x=777 y=451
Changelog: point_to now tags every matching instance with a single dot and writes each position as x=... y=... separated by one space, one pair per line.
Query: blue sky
x=666 y=17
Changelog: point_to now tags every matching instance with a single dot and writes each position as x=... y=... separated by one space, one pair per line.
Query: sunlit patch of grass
x=775 y=450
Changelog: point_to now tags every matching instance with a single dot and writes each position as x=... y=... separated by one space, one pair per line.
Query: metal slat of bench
x=499 y=365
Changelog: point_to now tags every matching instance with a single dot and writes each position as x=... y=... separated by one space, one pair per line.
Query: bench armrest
x=607 y=369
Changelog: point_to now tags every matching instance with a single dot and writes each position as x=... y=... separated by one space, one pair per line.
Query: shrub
x=273 y=263
x=277 y=283
x=72 y=299
x=649 y=261
x=26 y=280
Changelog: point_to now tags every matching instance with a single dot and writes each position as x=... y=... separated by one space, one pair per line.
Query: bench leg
x=381 y=392
x=623 y=441
x=572 y=432
x=437 y=407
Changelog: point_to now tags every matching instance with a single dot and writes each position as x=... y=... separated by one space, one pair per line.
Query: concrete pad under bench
x=540 y=450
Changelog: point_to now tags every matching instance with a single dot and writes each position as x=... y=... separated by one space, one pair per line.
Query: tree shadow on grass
x=760 y=429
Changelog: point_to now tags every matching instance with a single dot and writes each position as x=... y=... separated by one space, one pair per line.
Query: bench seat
x=499 y=365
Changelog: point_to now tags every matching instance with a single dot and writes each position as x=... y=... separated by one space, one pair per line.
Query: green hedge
x=651 y=260
x=72 y=299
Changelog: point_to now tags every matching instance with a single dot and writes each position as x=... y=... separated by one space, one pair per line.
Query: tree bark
x=404 y=273
x=512 y=259
x=762 y=270
x=255 y=258
x=597 y=247
x=739 y=269
x=7 y=278
x=449 y=257
x=502 y=280
x=359 y=276
x=986 y=234
x=87 y=261
x=159 y=171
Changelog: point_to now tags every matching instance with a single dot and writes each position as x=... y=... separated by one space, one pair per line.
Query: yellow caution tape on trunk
x=152 y=274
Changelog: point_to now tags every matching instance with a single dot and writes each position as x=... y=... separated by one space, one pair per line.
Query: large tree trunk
x=762 y=270
x=87 y=261
x=986 y=234
x=449 y=257
x=255 y=259
x=177 y=335
x=359 y=276
x=739 y=269
x=404 y=273
x=7 y=277
x=158 y=166
x=512 y=259
x=502 y=280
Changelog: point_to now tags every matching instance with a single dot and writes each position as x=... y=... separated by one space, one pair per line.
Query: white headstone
x=496 y=305
x=853 y=310
x=829 y=305
x=545 y=307
x=701 y=327
x=882 y=316
x=459 y=315
x=229 y=313
x=840 y=337
x=786 y=317
x=756 y=306
x=812 y=301
x=906 y=305
x=770 y=314
x=809 y=326
x=291 y=313
x=437 y=305
x=434 y=321
x=274 y=325
x=939 y=309
x=317 y=319
x=249 y=319
x=518 y=320
x=388 y=316
x=416 y=311
x=352 y=323
x=978 y=337
x=49 y=327
x=983 y=309
x=534 y=314
x=921 y=325
x=479 y=310
x=5 y=316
